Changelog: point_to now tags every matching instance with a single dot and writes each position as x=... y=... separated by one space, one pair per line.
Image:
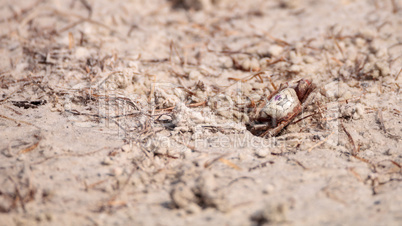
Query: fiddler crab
x=280 y=108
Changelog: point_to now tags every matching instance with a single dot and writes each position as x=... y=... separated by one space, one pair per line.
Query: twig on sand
x=395 y=8
x=381 y=120
x=400 y=71
x=209 y=163
x=23 y=12
x=17 y=121
x=261 y=165
x=321 y=142
x=31 y=147
x=355 y=149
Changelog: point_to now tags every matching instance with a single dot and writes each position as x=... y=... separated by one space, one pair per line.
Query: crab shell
x=283 y=106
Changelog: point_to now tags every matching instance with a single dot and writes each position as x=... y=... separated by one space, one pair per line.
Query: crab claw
x=303 y=88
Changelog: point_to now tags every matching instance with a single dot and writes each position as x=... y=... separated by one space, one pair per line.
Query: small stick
x=272 y=83
x=305 y=117
x=71 y=42
x=354 y=151
x=184 y=87
x=337 y=61
x=339 y=48
x=203 y=103
x=23 y=11
x=165 y=109
x=400 y=71
x=17 y=121
x=394 y=7
x=298 y=163
x=358 y=177
x=248 y=78
x=75 y=112
x=66 y=14
x=90 y=186
x=12 y=109
x=276 y=61
x=87 y=6
x=229 y=163
x=68 y=155
x=363 y=160
x=382 y=25
x=228 y=52
x=387 y=160
x=261 y=165
x=381 y=120
x=209 y=163
x=17 y=90
x=321 y=142
x=277 y=40
x=240 y=178
x=173 y=49
x=30 y=148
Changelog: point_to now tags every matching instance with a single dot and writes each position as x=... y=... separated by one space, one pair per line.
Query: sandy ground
x=135 y=112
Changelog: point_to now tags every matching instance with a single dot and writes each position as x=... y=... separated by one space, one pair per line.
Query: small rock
x=275 y=50
x=383 y=68
x=359 y=111
x=195 y=75
x=116 y=171
x=206 y=189
x=161 y=151
x=107 y=161
x=182 y=196
x=360 y=42
x=21 y=158
x=246 y=64
x=295 y=68
x=347 y=95
x=308 y=59
x=347 y=110
x=261 y=152
x=273 y=213
x=82 y=53
x=227 y=62
x=126 y=148
x=254 y=65
x=269 y=188
x=294 y=58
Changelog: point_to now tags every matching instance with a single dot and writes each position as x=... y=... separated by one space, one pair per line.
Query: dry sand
x=132 y=112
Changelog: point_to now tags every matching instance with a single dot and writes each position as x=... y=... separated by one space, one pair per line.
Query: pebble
x=195 y=75
x=126 y=148
x=261 y=152
x=245 y=64
x=359 y=111
x=227 y=62
x=116 y=171
x=107 y=161
x=254 y=65
x=268 y=189
x=275 y=50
